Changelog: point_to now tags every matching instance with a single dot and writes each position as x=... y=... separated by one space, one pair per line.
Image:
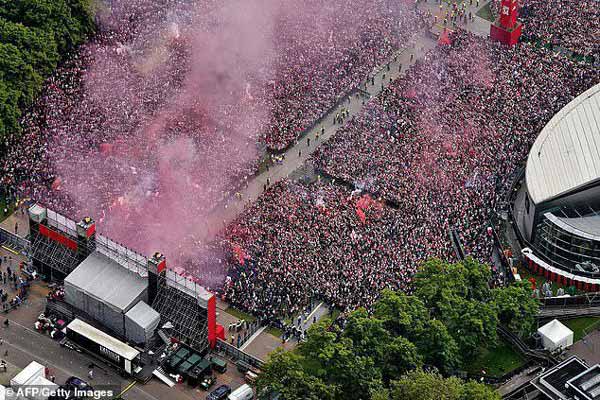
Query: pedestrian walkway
x=320 y=311
x=476 y=25
x=254 y=336
x=299 y=153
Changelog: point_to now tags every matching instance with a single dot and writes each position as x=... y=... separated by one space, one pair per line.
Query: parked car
x=208 y=382
x=219 y=393
x=79 y=383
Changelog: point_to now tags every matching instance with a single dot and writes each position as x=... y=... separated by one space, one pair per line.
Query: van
x=244 y=392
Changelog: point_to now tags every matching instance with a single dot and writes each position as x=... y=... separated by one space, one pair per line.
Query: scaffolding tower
x=183 y=311
x=52 y=258
x=57 y=243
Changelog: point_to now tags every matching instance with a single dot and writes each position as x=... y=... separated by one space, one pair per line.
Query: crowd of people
x=573 y=25
x=321 y=241
x=146 y=81
x=435 y=148
x=165 y=111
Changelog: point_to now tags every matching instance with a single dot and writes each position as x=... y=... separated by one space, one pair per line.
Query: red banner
x=58 y=237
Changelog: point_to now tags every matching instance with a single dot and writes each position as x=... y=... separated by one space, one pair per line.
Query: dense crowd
x=573 y=25
x=436 y=147
x=324 y=242
x=160 y=114
x=146 y=82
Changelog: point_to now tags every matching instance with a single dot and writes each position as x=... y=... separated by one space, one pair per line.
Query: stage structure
x=114 y=287
x=507 y=29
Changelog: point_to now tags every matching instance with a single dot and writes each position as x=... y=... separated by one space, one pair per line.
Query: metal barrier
x=238 y=355
x=14 y=242
x=581 y=301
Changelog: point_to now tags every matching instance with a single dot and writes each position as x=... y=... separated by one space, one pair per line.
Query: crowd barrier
x=238 y=355
x=14 y=242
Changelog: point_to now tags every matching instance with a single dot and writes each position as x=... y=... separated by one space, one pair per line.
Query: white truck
x=244 y=392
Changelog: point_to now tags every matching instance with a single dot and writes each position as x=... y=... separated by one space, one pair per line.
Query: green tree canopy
x=516 y=308
x=34 y=35
x=420 y=385
x=379 y=355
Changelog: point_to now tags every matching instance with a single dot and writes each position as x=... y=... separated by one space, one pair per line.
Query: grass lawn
x=485 y=12
x=2 y=205
x=274 y=331
x=240 y=314
x=582 y=326
x=496 y=361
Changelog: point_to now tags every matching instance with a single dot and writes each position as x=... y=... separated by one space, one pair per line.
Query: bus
x=103 y=346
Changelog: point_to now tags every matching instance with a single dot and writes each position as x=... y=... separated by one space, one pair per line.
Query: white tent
x=555 y=335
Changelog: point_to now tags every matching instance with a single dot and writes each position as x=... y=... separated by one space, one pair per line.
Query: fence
x=14 y=242
x=583 y=301
x=238 y=355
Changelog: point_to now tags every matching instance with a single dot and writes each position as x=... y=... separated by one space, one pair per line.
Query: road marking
x=132 y=384
x=9 y=249
x=313 y=312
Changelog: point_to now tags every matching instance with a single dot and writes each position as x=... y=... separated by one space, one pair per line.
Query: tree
x=438 y=348
x=368 y=335
x=516 y=308
x=420 y=385
x=283 y=373
x=332 y=357
x=9 y=109
x=437 y=279
x=458 y=295
x=400 y=356
x=471 y=323
x=401 y=314
x=475 y=391
x=33 y=33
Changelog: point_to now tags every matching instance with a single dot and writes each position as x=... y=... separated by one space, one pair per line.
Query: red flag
x=444 y=39
x=240 y=254
x=361 y=215
x=56 y=183
x=364 y=202
x=533 y=283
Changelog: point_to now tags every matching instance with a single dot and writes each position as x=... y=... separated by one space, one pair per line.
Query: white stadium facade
x=557 y=212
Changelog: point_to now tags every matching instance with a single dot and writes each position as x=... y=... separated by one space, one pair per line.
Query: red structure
x=507 y=29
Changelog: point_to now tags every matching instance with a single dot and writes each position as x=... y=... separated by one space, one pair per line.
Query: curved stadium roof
x=566 y=154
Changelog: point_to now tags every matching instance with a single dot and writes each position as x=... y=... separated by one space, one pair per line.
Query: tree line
x=34 y=36
x=408 y=347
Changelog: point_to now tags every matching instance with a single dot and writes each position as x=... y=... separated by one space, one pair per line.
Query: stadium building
x=557 y=210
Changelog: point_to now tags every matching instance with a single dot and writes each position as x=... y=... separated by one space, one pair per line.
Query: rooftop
x=566 y=154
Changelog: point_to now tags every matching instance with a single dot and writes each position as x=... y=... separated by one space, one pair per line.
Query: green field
x=274 y=331
x=496 y=361
x=240 y=314
x=485 y=12
x=582 y=326
x=2 y=205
